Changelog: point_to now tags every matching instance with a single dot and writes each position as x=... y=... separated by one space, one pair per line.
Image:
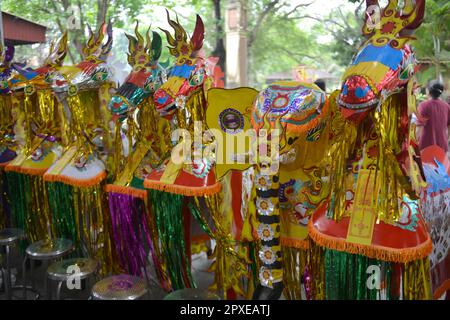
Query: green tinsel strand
x=167 y=209
x=346 y=276
x=19 y=195
x=63 y=214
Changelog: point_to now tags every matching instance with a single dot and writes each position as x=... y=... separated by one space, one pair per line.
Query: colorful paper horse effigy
x=181 y=184
x=75 y=182
x=371 y=238
x=134 y=230
x=40 y=135
x=436 y=211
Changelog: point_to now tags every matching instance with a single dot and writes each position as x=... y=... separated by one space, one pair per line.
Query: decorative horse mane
x=141 y=56
x=181 y=48
x=395 y=26
x=93 y=49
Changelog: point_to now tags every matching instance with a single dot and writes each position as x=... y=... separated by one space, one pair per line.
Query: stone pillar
x=236 y=43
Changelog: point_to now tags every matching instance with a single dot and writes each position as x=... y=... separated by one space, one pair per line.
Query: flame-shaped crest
x=94 y=50
x=140 y=56
x=396 y=23
x=58 y=51
x=184 y=50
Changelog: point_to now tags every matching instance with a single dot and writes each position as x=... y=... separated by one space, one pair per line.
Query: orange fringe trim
x=24 y=170
x=442 y=289
x=137 y=193
x=374 y=252
x=4 y=164
x=185 y=191
x=295 y=243
x=76 y=182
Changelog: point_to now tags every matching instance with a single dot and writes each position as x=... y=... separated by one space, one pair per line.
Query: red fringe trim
x=295 y=243
x=130 y=191
x=186 y=191
x=24 y=170
x=374 y=252
x=442 y=289
x=76 y=182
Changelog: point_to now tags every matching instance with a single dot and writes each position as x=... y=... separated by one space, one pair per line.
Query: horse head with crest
x=174 y=185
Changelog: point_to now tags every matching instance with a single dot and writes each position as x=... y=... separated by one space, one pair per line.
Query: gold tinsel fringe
x=294 y=263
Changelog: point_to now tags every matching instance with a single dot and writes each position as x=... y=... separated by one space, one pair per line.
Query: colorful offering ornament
x=380 y=225
x=77 y=179
x=135 y=233
x=38 y=143
x=287 y=179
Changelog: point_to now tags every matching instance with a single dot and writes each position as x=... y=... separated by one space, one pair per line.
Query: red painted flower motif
x=184 y=49
x=388 y=27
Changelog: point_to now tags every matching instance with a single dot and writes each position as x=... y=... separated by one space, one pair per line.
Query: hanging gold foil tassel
x=294 y=263
x=416 y=280
x=94 y=225
x=316 y=266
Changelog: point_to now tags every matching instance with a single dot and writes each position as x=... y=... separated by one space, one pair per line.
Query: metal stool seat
x=49 y=249
x=45 y=250
x=192 y=294
x=77 y=268
x=9 y=237
x=120 y=287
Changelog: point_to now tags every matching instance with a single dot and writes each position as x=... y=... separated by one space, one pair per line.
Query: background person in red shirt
x=433 y=118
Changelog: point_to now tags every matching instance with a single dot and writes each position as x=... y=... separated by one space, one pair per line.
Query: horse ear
x=199 y=35
x=156 y=46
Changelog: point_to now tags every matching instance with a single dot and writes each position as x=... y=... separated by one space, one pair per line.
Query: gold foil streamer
x=294 y=263
x=193 y=110
x=391 y=179
x=316 y=266
x=416 y=280
x=230 y=265
x=94 y=225
x=6 y=117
